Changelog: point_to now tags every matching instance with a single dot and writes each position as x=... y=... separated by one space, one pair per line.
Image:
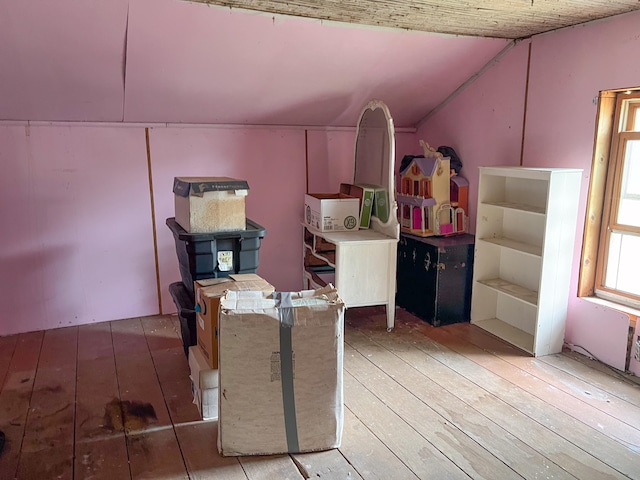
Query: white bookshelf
x=525 y=234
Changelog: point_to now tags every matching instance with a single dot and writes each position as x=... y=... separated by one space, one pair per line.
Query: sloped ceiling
x=176 y=61
x=190 y=63
x=485 y=18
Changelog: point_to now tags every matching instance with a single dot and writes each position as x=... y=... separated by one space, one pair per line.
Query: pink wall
x=62 y=60
x=80 y=246
x=187 y=62
x=273 y=163
x=76 y=244
x=331 y=154
x=484 y=123
x=77 y=198
x=330 y=159
x=176 y=61
x=568 y=69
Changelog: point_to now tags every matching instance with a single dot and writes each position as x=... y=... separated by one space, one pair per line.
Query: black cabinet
x=434 y=277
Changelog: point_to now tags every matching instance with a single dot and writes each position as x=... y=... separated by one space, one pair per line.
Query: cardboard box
x=281 y=372
x=210 y=204
x=366 y=196
x=204 y=385
x=331 y=212
x=381 y=201
x=207 y=295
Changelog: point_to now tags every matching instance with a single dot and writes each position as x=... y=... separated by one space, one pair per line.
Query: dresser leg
x=391 y=314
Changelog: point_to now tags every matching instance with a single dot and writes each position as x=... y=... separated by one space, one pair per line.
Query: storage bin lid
x=185 y=186
x=252 y=230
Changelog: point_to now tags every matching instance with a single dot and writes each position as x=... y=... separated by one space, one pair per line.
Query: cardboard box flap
x=197 y=186
x=331 y=196
x=207 y=296
x=218 y=286
x=215 y=287
x=245 y=277
x=243 y=301
x=301 y=303
x=234 y=277
x=208 y=282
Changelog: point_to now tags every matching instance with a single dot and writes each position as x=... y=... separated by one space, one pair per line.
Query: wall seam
x=306 y=158
x=124 y=65
x=153 y=220
x=468 y=82
x=526 y=99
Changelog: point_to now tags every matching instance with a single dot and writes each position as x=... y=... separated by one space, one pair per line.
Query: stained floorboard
x=7 y=347
x=113 y=400
x=49 y=440
x=101 y=449
x=15 y=398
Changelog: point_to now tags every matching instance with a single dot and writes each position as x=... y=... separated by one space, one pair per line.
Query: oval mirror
x=374 y=160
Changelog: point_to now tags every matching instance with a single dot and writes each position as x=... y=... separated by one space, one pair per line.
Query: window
x=614 y=198
x=425 y=187
x=406 y=186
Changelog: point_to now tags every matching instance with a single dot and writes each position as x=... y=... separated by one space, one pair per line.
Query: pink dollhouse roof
x=459 y=181
x=426 y=165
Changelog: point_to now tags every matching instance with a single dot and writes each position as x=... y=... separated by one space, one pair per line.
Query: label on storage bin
x=225 y=261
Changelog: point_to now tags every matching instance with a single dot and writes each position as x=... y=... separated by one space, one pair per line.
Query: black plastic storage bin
x=213 y=255
x=186 y=313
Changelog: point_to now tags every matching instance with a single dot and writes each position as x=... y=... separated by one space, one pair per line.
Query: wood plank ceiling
x=513 y=19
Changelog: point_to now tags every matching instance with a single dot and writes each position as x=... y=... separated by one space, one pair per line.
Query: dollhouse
x=432 y=199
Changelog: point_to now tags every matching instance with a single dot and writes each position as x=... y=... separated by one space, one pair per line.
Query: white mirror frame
x=386 y=177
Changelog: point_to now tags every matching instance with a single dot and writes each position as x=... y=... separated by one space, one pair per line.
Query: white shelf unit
x=525 y=232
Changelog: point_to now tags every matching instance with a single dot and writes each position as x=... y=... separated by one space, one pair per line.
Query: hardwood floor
x=420 y=402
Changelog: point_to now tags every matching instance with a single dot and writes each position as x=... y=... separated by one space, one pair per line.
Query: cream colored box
x=331 y=212
x=280 y=367
x=210 y=204
x=208 y=293
x=204 y=383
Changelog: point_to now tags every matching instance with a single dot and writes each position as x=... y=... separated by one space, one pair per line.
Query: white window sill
x=634 y=312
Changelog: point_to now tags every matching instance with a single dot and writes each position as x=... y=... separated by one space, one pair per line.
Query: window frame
x=614 y=119
x=406 y=188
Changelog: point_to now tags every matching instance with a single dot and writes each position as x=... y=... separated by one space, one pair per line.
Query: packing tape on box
x=284 y=304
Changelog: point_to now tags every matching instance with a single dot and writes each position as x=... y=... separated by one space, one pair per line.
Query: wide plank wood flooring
x=113 y=401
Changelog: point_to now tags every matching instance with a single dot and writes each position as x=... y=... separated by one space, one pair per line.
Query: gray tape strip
x=285 y=307
x=285 y=304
